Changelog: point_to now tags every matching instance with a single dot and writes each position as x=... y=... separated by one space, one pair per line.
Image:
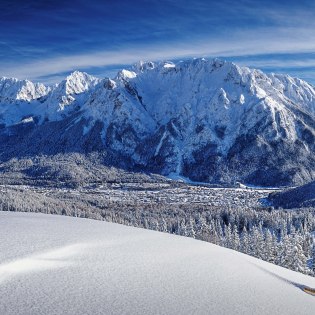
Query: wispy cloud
x=46 y=40
x=252 y=42
x=287 y=62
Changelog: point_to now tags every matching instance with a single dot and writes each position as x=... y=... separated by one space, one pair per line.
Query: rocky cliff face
x=206 y=120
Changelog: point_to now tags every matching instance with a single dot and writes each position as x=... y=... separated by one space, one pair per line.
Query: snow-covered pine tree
x=191 y=229
x=228 y=237
x=202 y=232
x=266 y=250
x=212 y=232
x=163 y=225
x=298 y=261
x=182 y=230
x=244 y=242
x=257 y=242
x=235 y=239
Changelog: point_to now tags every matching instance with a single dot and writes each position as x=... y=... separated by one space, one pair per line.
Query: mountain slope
x=62 y=265
x=211 y=121
x=302 y=196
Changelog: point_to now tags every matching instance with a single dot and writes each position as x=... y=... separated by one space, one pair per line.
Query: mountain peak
x=142 y=66
x=126 y=74
x=208 y=120
x=78 y=82
x=78 y=75
x=12 y=89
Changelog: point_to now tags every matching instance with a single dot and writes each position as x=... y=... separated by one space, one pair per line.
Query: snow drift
x=63 y=265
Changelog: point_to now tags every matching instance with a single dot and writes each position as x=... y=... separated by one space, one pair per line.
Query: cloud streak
x=246 y=44
x=45 y=40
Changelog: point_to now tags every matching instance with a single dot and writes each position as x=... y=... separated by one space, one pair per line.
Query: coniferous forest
x=280 y=236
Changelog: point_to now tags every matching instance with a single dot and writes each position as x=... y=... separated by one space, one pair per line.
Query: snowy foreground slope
x=63 y=265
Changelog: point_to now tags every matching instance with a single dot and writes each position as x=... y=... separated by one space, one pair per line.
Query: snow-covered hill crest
x=208 y=120
x=66 y=265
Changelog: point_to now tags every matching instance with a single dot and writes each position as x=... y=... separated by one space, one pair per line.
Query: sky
x=46 y=40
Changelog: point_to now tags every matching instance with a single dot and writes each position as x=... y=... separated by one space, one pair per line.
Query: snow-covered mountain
x=62 y=265
x=22 y=101
x=207 y=120
x=13 y=90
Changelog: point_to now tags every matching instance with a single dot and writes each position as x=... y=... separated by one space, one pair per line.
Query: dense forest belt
x=233 y=218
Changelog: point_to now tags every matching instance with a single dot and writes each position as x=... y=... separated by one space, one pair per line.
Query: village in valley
x=164 y=193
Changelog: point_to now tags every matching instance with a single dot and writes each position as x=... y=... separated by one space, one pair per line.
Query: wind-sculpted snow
x=52 y=259
x=210 y=121
x=92 y=267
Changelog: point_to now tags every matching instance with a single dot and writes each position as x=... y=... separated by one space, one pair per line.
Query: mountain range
x=207 y=120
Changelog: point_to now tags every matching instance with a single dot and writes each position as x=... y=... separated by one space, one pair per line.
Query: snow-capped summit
x=297 y=90
x=77 y=82
x=209 y=120
x=143 y=66
x=12 y=89
x=126 y=74
x=70 y=91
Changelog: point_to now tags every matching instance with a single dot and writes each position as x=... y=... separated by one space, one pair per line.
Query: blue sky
x=45 y=40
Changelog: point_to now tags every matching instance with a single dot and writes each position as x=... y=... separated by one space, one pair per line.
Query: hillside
x=302 y=196
x=207 y=120
x=62 y=265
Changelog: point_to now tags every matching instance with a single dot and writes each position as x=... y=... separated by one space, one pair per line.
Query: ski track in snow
x=62 y=265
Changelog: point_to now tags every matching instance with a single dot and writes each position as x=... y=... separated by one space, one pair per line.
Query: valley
x=180 y=148
x=157 y=157
x=162 y=193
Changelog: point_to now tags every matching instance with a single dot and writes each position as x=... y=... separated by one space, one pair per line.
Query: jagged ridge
x=207 y=120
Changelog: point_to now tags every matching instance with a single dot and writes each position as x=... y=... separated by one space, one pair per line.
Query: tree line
x=283 y=237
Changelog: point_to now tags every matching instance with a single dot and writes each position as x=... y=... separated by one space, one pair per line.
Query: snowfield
x=62 y=265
